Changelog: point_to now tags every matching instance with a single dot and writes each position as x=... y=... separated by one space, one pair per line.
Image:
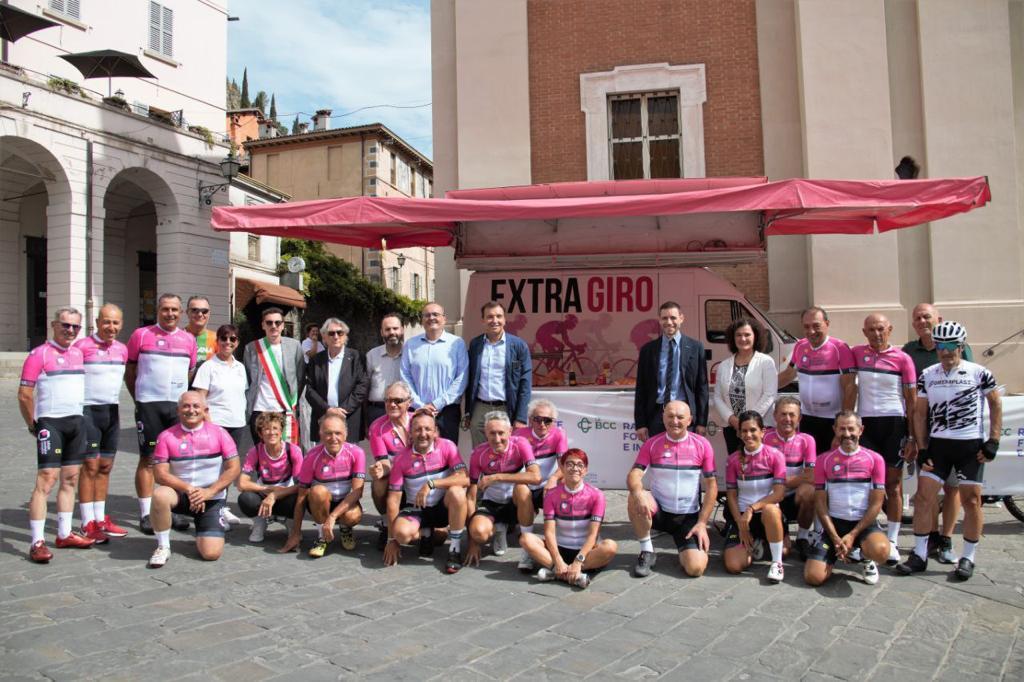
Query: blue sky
x=342 y=55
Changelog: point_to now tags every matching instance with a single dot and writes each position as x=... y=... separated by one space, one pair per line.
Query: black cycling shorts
x=538 y=499
x=152 y=419
x=677 y=525
x=820 y=429
x=61 y=441
x=428 y=517
x=732 y=529
x=499 y=512
x=789 y=508
x=948 y=455
x=824 y=551
x=884 y=435
x=103 y=424
x=207 y=522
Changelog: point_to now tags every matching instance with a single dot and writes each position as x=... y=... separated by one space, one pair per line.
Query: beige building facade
x=523 y=93
x=367 y=160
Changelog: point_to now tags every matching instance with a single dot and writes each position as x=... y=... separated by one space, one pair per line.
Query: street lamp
x=401 y=264
x=229 y=166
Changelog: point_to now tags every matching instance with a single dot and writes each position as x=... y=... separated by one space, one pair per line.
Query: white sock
x=455 y=539
x=99 y=510
x=921 y=546
x=163 y=538
x=776 y=549
x=319 y=530
x=144 y=503
x=427 y=532
x=646 y=545
x=893 y=531
x=64 y=524
x=87 y=514
x=817 y=527
x=37 y=529
x=524 y=530
x=969 y=549
x=803 y=533
x=384 y=522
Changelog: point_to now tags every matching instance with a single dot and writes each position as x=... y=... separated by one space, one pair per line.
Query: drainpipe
x=362 y=191
x=89 y=304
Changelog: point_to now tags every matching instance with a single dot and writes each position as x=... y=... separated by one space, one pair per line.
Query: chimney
x=303 y=127
x=268 y=129
x=321 y=119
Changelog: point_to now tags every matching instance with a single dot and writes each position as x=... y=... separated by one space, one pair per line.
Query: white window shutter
x=73 y=9
x=154 y=26
x=168 y=32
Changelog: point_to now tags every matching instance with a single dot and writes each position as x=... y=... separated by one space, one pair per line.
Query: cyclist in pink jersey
x=433 y=479
x=887 y=390
x=267 y=486
x=825 y=368
x=573 y=511
x=548 y=442
x=160 y=359
x=50 y=397
x=194 y=462
x=674 y=462
x=849 y=486
x=388 y=435
x=496 y=468
x=755 y=479
x=330 y=487
x=799 y=450
x=105 y=358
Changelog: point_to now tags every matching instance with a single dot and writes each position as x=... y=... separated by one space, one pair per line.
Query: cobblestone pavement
x=255 y=614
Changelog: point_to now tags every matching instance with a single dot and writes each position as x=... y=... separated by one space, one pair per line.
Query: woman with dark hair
x=311 y=343
x=223 y=381
x=755 y=480
x=266 y=486
x=746 y=380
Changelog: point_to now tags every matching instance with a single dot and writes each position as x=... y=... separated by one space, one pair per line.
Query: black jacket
x=353 y=384
x=693 y=368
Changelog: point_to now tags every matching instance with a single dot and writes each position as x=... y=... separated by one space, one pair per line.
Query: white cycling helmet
x=949 y=332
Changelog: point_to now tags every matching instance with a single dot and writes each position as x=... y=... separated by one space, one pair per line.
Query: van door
x=716 y=314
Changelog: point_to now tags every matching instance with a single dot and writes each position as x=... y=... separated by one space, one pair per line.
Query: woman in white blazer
x=747 y=380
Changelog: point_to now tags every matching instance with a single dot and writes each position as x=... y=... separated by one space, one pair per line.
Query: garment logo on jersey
x=326 y=468
x=564 y=506
x=867 y=358
x=183 y=446
x=837 y=467
x=666 y=454
x=266 y=471
x=43 y=434
x=492 y=464
x=803 y=359
x=60 y=361
x=140 y=426
x=161 y=342
x=101 y=352
x=417 y=464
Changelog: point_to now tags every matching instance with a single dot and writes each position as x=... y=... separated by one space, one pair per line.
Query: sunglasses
x=228 y=339
x=396 y=401
x=199 y=311
x=335 y=332
x=947 y=345
x=68 y=327
x=547 y=421
x=574 y=464
x=274 y=323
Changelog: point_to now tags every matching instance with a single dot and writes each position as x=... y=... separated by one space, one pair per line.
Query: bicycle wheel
x=1015 y=505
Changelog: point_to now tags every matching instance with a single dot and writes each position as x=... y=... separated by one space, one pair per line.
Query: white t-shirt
x=265 y=400
x=307 y=345
x=225 y=385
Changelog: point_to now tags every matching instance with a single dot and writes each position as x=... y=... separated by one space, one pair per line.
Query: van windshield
x=783 y=334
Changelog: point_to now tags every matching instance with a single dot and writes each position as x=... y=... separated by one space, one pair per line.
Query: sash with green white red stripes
x=279 y=385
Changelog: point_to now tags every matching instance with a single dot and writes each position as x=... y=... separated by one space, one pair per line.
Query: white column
x=65 y=258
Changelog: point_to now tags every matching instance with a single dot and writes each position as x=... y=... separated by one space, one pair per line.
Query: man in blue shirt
x=500 y=374
x=434 y=365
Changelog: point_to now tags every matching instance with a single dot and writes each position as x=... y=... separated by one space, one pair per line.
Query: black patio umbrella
x=109 y=64
x=17 y=23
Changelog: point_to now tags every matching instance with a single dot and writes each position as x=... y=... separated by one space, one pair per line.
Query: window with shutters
x=71 y=8
x=417 y=294
x=393 y=280
x=644 y=136
x=254 y=248
x=161 y=29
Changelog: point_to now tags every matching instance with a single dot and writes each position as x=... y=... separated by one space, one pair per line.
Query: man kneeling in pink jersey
x=573 y=511
x=194 y=462
x=849 y=486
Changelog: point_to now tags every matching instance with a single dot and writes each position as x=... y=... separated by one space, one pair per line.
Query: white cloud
x=341 y=55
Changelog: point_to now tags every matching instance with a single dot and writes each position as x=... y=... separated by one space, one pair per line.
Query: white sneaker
x=855 y=555
x=160 y=557
x=894 y=555
x=869 y=572
x=757 y=551
x=525 y=562
x=582 y=580
x=545 y=575
x=259 y=528
x=775 y=572
x=228 y=517
x=500 y=540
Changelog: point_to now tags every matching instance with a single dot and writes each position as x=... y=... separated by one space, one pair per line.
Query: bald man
x=886 y=392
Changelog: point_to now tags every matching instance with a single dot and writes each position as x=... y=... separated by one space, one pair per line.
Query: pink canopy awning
x=796 y=206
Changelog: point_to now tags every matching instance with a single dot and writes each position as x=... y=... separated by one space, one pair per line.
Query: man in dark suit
x=672 y=367
x=336 y=381
x=500 y=374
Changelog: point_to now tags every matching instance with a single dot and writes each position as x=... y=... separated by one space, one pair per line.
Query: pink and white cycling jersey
x=410 y=470
x=545 y=451
x=269 y=470
x=676 y=467
x=385 y=442
x=573 y=512
x=334 y=473
x=956 y=400
x=164 y=361
x=484 y=461
x=819 y=370
x=196 y=457
x=104 y=369
x=881 y=377
x=754 y=478
x=800 y=451
x=58 y=376
x=849 y=478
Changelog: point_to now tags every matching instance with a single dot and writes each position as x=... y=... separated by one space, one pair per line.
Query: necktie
x=670 y=363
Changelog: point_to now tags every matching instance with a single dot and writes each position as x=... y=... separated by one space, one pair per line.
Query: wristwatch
x=581 y=557
x=430 y=483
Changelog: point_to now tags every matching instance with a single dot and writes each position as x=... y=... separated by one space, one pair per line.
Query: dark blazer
x=518 y=375
x=693 y=367
x=353 y=384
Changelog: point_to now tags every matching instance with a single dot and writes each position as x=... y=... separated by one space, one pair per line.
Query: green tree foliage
x=273 y=108
x=261 y=102
x=295 y=125
x=245 y=102
x=234 y=95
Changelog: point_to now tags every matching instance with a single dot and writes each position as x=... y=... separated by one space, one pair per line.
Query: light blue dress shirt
x=492 y=371
x=436 y=370
x=674 y=374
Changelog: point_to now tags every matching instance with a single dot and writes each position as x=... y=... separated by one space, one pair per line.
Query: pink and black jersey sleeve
x=819 y=472
x=877 y=471
x=707 y=465
x=732 y=471
x=396 y=477
x=810 y=449
x=378 y=448
x=358 y=461
x=135 y=344
x=597 y=506
x=451 y=455
x=308 y=468
x=162 y=452
x=33 y=366
x=643 y=458
x=847 y=363
x=778 y=464
x=295 y=455
x=907 y=370
x=475 y=466
x=252 y=461
x=227 y=445
x=550 y=504
x=525 y=451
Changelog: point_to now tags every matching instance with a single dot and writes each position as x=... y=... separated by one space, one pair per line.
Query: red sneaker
x=94 y=532
x=40 y=553
x=75 y=541
x=111 y=528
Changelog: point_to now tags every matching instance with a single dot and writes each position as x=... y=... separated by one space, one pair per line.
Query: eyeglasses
x=228 y=339
x=396 y=401
x=947 y=345
x=574 y=464
x=546 y=421
x=199 y=311
x=274 y=323
x=335 y=332
x=427 y=316
x=68 y=327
